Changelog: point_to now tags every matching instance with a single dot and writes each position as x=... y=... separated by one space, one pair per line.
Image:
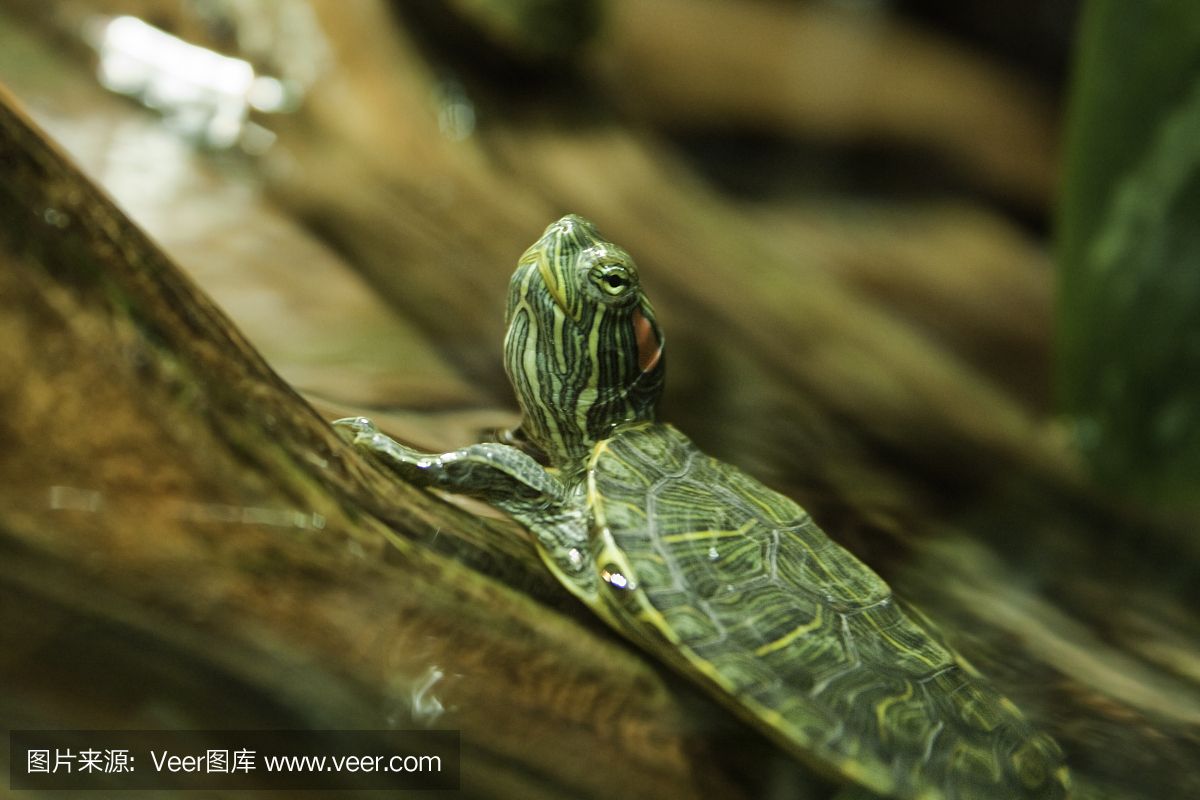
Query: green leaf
x=1129 y=250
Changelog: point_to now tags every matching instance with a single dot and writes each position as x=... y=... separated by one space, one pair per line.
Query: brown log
x=811 y=72
x=187 y=544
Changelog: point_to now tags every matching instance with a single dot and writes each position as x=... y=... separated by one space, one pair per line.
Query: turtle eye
x=612 y=279
x=615 y=283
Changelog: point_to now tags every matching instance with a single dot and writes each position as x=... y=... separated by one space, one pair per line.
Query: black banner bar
x=343 y=760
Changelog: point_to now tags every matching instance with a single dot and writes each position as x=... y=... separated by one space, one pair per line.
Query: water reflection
x=456 y=112
x=72 y=498
x=252 y=515
x=426 y=707
x=201 y=93
x=56 y=218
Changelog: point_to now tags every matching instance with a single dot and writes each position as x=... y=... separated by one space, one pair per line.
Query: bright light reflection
x=614 y=579
x=205 y=94
x=72 y=498
x=426 y=708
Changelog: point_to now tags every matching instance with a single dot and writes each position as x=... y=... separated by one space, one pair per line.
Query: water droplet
x=614 y=578
x=56 y=218
x=426 y=707
x=713 y=555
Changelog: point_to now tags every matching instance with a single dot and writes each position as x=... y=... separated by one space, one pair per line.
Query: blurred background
x=929 y=268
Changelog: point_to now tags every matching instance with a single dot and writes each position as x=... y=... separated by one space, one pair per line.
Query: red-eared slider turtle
x=704 y=567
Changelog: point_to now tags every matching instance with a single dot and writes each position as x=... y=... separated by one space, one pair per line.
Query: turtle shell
x=736 y=586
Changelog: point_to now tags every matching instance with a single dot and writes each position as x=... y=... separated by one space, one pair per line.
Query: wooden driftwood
x=807 y=70
x=186 y=544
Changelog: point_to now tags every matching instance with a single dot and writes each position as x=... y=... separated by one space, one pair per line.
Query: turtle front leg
x=503 y=476
x=498 y=474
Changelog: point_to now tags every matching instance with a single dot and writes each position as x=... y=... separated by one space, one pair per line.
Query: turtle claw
x=355 y=430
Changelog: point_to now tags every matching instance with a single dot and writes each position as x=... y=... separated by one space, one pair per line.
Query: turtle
x=704 y=567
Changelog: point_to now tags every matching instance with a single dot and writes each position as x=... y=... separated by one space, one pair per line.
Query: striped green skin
x=709 y=570
x=722 y=577
x=736 y=585
x=575 y=307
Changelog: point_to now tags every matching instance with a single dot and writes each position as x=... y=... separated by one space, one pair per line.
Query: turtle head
x=583 y=349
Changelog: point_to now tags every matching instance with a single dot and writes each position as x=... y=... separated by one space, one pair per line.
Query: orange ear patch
x=648 y=345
